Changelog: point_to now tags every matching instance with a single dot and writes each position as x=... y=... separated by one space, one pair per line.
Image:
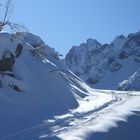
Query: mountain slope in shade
x=105 y=66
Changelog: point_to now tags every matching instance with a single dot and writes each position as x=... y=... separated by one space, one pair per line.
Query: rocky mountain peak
x=96 y=64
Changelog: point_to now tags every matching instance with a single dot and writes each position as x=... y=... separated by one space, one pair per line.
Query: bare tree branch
x=14 y=27
x=7 y=14
x=6 y=22
x=8 y=10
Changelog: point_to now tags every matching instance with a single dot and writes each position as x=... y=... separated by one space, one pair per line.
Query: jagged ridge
x=105 y=66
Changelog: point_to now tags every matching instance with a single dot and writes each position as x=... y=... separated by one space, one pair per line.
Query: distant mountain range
x=109 y=66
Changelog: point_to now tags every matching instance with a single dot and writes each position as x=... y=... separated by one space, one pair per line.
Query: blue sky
x=64 y=23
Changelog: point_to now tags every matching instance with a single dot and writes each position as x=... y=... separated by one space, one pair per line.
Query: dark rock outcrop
x=7 y=62
x=18 y=50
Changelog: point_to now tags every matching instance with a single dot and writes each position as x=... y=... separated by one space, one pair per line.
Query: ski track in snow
x=77 y=123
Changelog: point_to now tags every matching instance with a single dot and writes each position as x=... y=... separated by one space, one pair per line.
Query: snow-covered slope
x=35 y=88
x=97 y=112
x=41 y=99
x=133 y=83
x=105 y=66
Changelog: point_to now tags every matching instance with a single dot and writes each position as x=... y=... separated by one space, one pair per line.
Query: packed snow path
x=96 y=112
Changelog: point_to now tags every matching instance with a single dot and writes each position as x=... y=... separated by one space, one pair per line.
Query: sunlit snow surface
x=97 y=112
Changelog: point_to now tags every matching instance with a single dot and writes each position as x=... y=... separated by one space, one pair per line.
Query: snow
x=80 y=122
x=128 y=69
x=118 y=42
x=53 y=102
x=98 y=119
x=105 y=66
x=132 y=83
x=44 y=93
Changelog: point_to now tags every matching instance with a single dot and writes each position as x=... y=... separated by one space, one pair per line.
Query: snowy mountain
x=33 y=88
x=106 y=66
x=41 y=99
x=133 y=83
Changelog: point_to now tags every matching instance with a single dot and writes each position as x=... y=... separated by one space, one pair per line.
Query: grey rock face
x=114 y=65
x=79 y=59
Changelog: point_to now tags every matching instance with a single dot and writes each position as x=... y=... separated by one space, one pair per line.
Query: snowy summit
x=107 y=66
